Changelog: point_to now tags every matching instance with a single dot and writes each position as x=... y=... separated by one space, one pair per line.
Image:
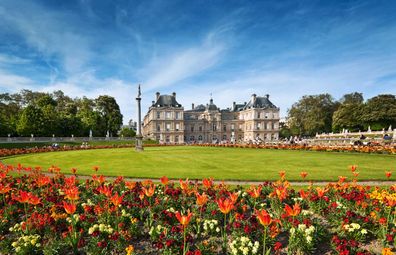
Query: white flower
x=363 y=231
x=309 y=239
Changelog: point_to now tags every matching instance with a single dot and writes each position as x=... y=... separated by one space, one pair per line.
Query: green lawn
x=220 y=163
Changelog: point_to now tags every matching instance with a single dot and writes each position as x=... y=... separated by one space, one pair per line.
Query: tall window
x=225 y=128
x=192 y=138
x=232 y=127
x=158 y=127
x=177 y=115
x=200 y=128
x=167 y=139
x=266 y=115
x=224 y=137
x=258 y=115
x=192 y=128
x=158 y=115
x=258 y=126
x=177 y=126
x=168 y=115
x=214 y=127
x=168 y=126
x=200 y=138
x=176 y=139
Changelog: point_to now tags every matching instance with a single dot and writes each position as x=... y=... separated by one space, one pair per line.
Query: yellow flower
x=387 y=251
x=129 y=250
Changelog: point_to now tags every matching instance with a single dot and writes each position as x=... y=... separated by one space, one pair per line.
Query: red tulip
x=388 y=174
x=303 y=174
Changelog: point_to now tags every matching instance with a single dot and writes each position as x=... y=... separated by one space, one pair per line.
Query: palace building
x=168 y=122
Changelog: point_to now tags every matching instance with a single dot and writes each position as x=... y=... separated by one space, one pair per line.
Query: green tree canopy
x=312 y=114
x=110 y=114
x=380 y=112
x=349 y=113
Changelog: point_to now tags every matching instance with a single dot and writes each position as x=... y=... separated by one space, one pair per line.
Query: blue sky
x=231 y=49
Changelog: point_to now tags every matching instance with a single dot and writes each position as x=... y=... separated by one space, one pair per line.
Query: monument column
x=139 y=137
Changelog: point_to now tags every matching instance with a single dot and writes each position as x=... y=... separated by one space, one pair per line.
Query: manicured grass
x=219 y=163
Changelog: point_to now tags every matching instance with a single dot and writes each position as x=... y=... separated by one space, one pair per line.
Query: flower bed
x=19 y=151
x=381 y=149
x=62 y=215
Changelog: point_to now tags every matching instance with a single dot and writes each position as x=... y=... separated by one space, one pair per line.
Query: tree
x=380 y=112
x=127 y=132
x=31 y=121
x=312 y=114
x=110 y=114
x=349 y=113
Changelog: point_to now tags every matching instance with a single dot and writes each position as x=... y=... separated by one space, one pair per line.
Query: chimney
x=174 y=94
x=253 y=98
x=192 y=106
x=267 y=96
x=152 y=102
x=211 y=101
x=157 y=95
x=233 y=105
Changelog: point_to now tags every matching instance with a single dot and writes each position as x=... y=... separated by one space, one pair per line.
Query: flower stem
x=264 y=239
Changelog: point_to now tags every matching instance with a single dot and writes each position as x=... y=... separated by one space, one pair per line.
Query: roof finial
x=139 y=93
x=211 y=99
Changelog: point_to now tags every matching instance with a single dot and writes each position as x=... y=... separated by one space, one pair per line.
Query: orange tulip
x=353 y=168
x=116 y=200
x=23 y=197
x=73 y=170
x=320 y=191
x=184 y=185
x=388 y=174
x=207 y=183
x=303 y=194
x=149 y=192
x=4 y=189
x=281 y=192
x=263 y=217
x=341 y=179
x=43 y=180
x=105 y=190
x=282 y=175
x=95 y=168
x=69 y=208
x=293 y=211
x=72 y=193
x=233 y=197
x=356 y=174
x=130 y=185
x=184 y=219
x=225 y=205
x=201 y=199
x=387 y=251
x=255 y=192
x=34 y=200
x=164 y=180
x=303 y=174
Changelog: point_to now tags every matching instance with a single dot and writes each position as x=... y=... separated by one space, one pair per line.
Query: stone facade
x=168 y=122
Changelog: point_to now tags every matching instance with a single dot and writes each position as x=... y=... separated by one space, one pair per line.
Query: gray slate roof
x=167 y=100
x=260 y=102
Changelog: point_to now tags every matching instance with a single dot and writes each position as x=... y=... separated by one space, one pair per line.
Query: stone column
x=139 y=137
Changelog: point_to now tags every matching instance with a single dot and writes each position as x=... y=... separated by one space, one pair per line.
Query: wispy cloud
x=164 y=71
